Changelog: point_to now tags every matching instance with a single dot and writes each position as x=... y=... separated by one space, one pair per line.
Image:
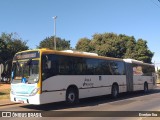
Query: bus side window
x=47 y=67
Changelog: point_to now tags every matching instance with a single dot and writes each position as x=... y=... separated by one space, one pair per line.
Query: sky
x=33 y=20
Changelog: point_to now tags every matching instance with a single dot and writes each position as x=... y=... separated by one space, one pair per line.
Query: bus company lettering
x=88 y=82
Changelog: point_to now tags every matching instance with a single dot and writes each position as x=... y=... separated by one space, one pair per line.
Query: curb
x=7 y=104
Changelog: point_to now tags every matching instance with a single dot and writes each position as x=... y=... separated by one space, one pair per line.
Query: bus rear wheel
x=145 y=87
x=71 y=96
x=115 y=91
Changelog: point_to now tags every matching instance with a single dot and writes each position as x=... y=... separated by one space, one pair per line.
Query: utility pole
x=54 y=32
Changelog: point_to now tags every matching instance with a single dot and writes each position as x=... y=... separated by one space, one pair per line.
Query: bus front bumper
x=26 y=99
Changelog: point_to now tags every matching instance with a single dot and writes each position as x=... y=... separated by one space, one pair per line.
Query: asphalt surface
x=128 y=104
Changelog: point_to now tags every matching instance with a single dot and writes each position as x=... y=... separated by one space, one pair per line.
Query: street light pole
x=55 y=31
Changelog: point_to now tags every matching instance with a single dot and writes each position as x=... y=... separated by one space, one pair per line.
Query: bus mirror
x=18 y=65
x=29 y=61
x=1 y=68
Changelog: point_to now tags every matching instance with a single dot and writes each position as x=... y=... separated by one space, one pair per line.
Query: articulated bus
x=46 y=76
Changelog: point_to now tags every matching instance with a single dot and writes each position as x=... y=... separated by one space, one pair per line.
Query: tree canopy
x=106 y=44
x=118 y=46
x=10 y=44
x=61 y=44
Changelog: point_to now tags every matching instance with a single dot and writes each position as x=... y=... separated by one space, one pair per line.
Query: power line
x=155 y=3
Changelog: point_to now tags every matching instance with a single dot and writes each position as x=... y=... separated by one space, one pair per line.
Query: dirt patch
x=4 y=91
x=4 y=86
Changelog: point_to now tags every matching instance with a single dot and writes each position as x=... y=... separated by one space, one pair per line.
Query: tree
x=142 y=51
x=130 y=47
x=84 y=45
x=48 y=42
x=3 y=50
x=10 y=44
x=118 y=46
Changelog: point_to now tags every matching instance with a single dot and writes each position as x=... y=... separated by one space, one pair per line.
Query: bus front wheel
x=71 y=96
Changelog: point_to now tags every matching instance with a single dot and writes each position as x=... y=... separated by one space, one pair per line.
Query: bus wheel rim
x=71 y=97
x=115 y=92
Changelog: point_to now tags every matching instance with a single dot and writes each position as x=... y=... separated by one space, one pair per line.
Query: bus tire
x=72 y=96
x=115 y=91
x=145 y=87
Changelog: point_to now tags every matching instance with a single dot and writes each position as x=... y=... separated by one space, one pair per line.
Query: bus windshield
x=25 y=71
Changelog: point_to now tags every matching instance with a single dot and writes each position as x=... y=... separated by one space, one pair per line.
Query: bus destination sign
x=26 y=55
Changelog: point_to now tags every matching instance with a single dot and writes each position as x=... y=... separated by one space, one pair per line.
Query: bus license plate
x=21 y=100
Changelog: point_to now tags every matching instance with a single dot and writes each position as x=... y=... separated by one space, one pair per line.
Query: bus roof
x=71 y=53
x=136 y=62
x=79 y=54
x=83 y=54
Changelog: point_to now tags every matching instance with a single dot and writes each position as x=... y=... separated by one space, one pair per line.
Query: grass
x=4 y=93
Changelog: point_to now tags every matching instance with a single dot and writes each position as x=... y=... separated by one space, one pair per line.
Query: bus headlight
x=34 y=92
x=12 y=92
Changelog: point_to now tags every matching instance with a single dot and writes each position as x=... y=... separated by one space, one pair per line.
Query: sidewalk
x=6 y=102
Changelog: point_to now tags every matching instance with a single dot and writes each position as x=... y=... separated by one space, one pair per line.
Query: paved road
x=126 y=102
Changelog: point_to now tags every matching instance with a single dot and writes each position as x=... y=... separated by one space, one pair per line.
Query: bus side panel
x=91 y=92
x=140 y=80
x=54 y=88
x=52 y=96
x=103 y=86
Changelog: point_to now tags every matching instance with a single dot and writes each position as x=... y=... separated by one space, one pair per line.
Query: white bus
x=45 y=76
